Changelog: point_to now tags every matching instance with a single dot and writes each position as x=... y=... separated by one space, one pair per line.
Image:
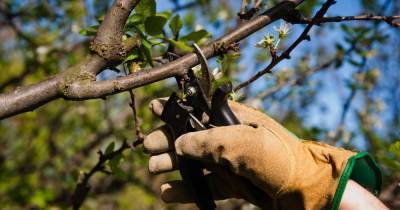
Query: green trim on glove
x=363 y=169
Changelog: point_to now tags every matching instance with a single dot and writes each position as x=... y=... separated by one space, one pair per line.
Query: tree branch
x=108 y=41
x=286 y=54
x=388 y=19
x=82 y=188
x=247 y=14
x=308 y=73
x=89 y=90
x=132 y=105
x=30 y=97
x=78 y=83
x=294 y=81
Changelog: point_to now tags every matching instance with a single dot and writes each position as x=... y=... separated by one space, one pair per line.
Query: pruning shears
x=184 y=115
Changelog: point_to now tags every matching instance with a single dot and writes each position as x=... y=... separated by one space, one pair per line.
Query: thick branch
x=108 y=42
x=75 y=85
x=100 y=89
x=30 y=97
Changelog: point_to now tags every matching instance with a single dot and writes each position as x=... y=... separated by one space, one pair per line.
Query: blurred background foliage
x=342 y=88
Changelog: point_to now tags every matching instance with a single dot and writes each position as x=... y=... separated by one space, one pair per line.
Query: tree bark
x=78 y=82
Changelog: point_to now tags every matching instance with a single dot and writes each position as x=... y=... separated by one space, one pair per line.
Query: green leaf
x=131 y=56
x=388 y=162
x=146 y=49
x=114 y=162
x=154 y=24
x=176 y=25
x=134 y=20
x=110 y=148
x=181 y=45
x=146 y=8
x=167 y=14
x=89 y=31
x=196 y=35
x=119 y=173
x=226 y=60
x=395 y=149
x=114 y=166
x=100 y=18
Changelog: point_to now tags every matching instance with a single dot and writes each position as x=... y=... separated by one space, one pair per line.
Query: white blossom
x=266 y=42
x=217 y=73
x=283 y=30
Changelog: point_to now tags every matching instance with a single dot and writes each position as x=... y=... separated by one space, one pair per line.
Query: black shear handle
x=221 y=114
x=177 y=118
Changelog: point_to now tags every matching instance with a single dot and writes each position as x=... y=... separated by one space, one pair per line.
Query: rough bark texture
x=78 y=82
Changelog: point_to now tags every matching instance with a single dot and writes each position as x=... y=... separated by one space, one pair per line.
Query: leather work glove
x=259 y=161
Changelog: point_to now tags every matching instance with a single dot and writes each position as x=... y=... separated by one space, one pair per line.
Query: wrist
x=356 y=197
x=360 y=171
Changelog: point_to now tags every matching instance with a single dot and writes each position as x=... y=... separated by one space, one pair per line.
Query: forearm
x=356 y=197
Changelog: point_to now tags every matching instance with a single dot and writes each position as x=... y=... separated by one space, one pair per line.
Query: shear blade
x=196 y=123
x=205 y=80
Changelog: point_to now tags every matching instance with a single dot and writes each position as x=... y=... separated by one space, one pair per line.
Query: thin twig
x=286 y=54
x=83 y=187
x=245 y=14
x=132 y=105
x=308 y=73
x=391 y=20
x=243 y=7
x=294 y=81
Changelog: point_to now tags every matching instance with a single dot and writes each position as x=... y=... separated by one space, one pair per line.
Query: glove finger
x=250 y=116
x=245 y=114
x=163 y=163
x=210 y=145
x=222 y=186
x=157 y=106
x=158 y=141
x=176 y=191
x=239 y=147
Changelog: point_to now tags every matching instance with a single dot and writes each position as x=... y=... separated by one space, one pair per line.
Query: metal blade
x=205 y=80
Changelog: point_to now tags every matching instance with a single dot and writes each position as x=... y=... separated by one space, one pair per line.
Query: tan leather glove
x=259 y=161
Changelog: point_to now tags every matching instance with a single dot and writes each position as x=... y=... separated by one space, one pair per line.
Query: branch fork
x=108 y=48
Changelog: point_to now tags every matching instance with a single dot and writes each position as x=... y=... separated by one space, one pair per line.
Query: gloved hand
x=259 y=161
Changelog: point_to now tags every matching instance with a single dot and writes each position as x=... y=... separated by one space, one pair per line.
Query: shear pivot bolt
x=191 y=91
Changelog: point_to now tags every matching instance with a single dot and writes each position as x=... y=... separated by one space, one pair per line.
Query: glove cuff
x=362 y=169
